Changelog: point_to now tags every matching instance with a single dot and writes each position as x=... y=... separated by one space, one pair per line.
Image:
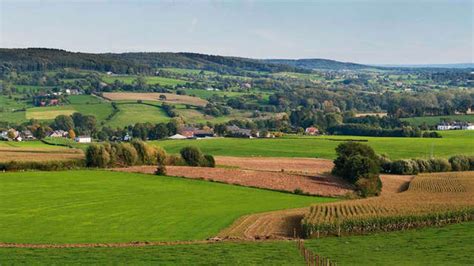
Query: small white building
x=178 y=136
x=83 y=139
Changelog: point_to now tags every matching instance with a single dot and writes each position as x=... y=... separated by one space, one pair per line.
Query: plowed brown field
x=306 y=166
x=39 y=154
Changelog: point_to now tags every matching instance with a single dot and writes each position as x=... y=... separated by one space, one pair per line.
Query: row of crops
x=431 y=199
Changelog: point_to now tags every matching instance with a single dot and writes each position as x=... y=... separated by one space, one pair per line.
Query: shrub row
x=42 y=166
x=123 y=154
x=415 y=166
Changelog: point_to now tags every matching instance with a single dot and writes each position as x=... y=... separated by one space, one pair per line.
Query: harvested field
x=282 y=224
x=286 y=224
x=170 y=98
x=306 y=166
x=39 y=154
x=431 y=199
x=323 y=185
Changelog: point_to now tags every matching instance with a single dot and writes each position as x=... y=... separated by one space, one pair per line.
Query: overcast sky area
x=371 y=32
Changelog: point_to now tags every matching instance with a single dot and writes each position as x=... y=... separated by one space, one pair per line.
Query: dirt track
x=39 y=154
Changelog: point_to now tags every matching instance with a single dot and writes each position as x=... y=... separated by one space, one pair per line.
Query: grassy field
x=85 y=104
x=257 y=253
x=149 y=80
x=450 y=245
x=103 y=206
x=453 y=142
x=131 y=113
x=433 y=120
x=49 y=112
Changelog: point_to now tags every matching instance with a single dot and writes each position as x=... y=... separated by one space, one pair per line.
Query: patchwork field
x=286 y=224
x=152 y=96
x=149 y=80
x=452 y=143
x=105 y=207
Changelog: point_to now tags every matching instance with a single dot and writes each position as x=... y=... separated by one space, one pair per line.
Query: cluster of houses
x=65 y=134
x=455 y=126
x=14 y=135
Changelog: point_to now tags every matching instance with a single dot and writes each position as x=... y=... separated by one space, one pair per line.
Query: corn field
x=431 y=200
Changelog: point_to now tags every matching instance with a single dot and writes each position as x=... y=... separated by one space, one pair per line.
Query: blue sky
x=375 y=32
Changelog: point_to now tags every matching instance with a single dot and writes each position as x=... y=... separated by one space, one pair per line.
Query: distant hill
x=41 y=59
x=460 y=65
x=317 y=63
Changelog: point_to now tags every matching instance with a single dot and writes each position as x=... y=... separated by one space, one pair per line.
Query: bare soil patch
x=305 y=166
x=39 y=155
x=152 y=96
x=323 y=185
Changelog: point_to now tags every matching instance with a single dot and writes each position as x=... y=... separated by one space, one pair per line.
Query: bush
x=440 y=165
x=369 y=186
x=129 y=154
x=423 y=165
x=192 y=156
x=97 y=156
x=404 y=167
x=208 y=161
x=146 y=154
x=471 y=163
x=174 y=160
x=460 y=163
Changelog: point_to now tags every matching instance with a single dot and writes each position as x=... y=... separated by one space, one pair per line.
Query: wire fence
x=311 y=258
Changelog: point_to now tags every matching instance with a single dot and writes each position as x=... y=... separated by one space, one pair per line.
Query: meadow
x=449 y=245
x=102 y=207
x=149 y=80
x=434 y=120
x=239 y=253
x=131 y=113
x=452 y=143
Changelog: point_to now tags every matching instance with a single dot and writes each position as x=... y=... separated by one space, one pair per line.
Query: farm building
x=11 y=135
x=192 y=132
x=177 y=136
x=455 y=126
x=311 y=131
x=235 y=131
x=83 y=139
x=58 y=134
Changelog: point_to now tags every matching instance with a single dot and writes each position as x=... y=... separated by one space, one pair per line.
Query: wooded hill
x=43 y=59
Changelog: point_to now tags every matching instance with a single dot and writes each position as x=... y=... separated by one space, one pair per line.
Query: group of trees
x=123 y=154
x=367 y=130
x=358 y=164
x=415 y=166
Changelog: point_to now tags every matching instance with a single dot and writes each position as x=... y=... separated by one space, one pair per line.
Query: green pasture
x=104 y=206
x=434 y=120
x=452 y=143
x=450 y=245
x=149 y=80
x=131 y=113
x=240 y=253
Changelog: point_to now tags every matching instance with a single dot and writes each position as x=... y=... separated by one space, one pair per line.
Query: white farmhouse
x=83 y=139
